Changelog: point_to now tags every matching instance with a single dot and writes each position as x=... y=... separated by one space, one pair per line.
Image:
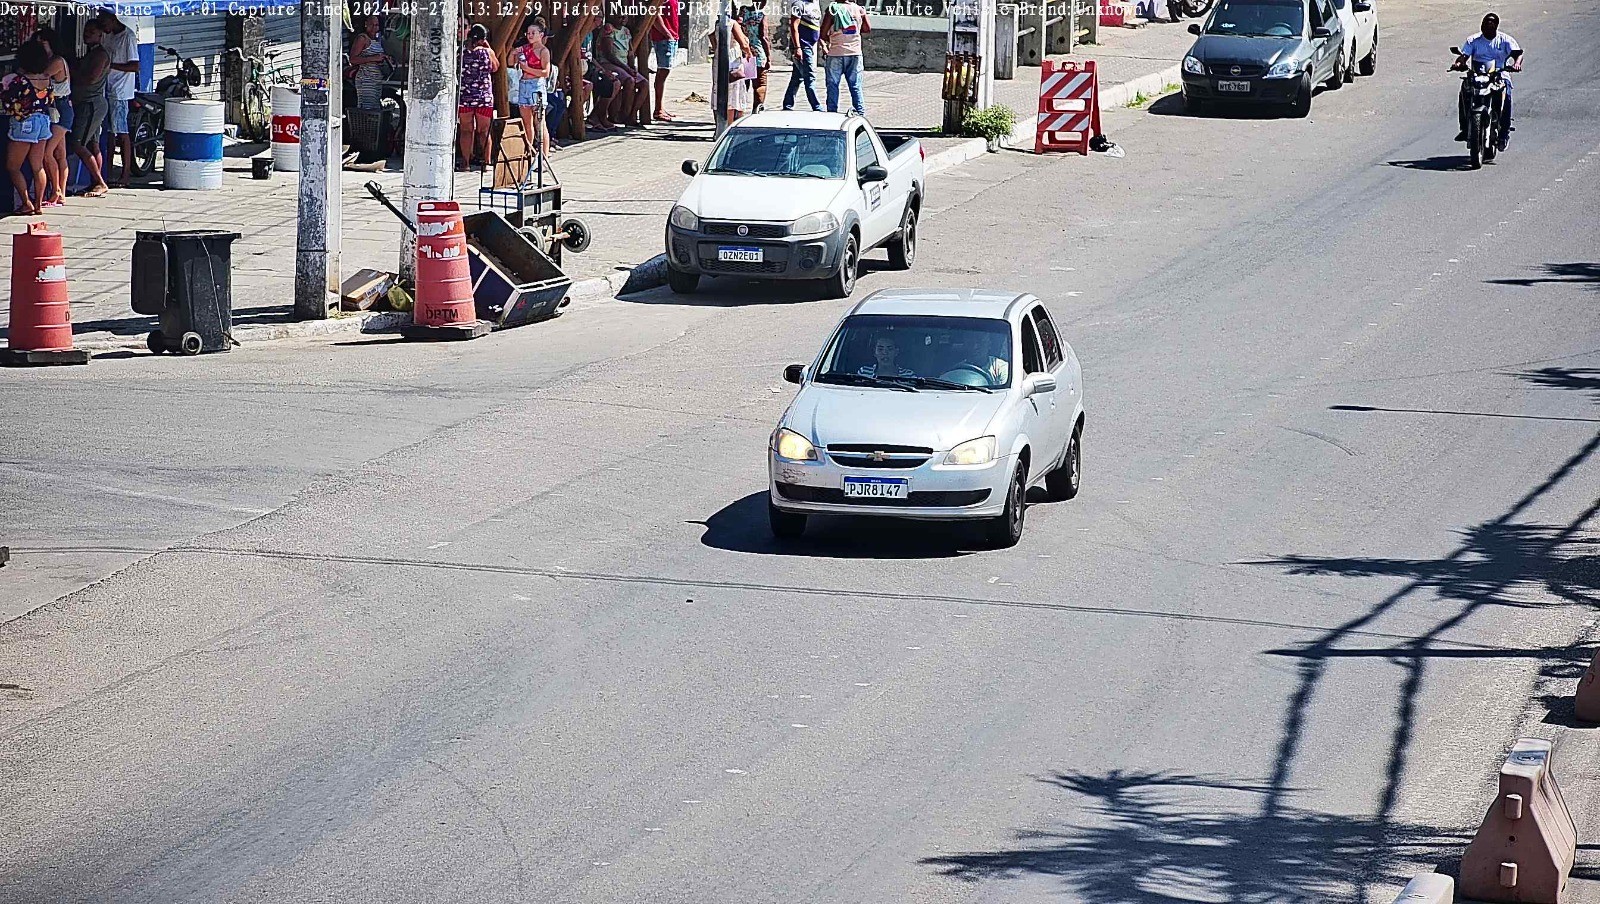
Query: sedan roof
x=940 y=302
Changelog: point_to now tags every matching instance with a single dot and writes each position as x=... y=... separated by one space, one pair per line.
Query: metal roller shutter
x=201 y=37
x=283 y=37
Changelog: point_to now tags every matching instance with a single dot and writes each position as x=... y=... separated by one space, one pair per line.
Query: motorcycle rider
x=1489 y=46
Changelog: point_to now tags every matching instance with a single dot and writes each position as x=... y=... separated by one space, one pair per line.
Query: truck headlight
x=791 y=445
x=1193 y=66
x=684 y=218
x=821 y=221
x=978 y=451
x=1284 y=69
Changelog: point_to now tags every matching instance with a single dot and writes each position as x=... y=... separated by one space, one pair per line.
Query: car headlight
x=978 y=451
x=684 y=218
x=791 y=445
x=821 y=221
x=1284 y=69
x=1193 y=66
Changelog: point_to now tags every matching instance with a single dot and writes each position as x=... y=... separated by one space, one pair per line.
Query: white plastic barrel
x=285 y=129
x=193 y=144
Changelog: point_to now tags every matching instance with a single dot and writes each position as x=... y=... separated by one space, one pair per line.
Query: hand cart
x=521 y=186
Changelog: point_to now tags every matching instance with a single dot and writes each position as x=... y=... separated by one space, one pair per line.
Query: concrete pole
x=316 y=264
x=986 y=51
x=430 y=118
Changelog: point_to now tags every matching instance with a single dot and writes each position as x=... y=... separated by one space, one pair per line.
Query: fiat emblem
x=744 y=230
x=1235 y=71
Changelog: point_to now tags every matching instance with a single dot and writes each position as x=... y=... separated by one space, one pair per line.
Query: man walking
x=843 y=24
x=664 y=36
x=805 y=28
x=122 y=46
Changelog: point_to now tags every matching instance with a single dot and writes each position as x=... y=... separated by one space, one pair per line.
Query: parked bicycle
x=255 y=107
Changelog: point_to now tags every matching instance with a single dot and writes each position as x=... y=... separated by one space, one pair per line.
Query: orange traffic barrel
x=444 y=276
x=41 y=317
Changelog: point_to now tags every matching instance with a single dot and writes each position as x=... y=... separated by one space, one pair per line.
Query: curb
x=1121 y=95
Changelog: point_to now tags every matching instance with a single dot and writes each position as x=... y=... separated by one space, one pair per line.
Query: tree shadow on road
x=741 y=526
x=1581 y=379
x=1580 y=273
x=1164 y=836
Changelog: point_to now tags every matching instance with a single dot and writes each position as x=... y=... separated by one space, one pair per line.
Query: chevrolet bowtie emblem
x=1234 y=71
x=879 y=456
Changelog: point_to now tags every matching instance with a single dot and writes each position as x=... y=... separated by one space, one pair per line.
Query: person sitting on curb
x=615 y=46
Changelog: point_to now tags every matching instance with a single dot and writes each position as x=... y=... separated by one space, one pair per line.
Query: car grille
x=712 y=265
x=867 y=461
x=879 y=447
x=1246 y=70
x=836 y=496
x=753 y=230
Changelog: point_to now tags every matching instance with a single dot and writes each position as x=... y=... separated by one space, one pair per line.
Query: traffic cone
x=41 y=317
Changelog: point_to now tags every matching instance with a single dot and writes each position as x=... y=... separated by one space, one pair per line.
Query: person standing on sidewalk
x=475 y=109
x=843 y=24
x=89 y=107
x=754 y=20
x=122 y=45
x=805 y=24
x=664 y=38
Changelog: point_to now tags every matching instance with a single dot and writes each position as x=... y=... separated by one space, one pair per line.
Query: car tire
x=682 y=283
x=1300 y=107
x=1004 y=530
x=843 y=282
x=1350 y=68
x=1369 y=63
x=1194 y=106
x=785 y=525
x=903 y=247
x=1336 y=80
x=1062 y=483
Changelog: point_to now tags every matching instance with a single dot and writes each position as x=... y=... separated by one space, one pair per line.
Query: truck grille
x=712 y=265
x=753 y=230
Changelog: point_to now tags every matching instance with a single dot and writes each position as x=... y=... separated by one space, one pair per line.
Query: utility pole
x=720 y=60
x=430 y=118
x=316 y=263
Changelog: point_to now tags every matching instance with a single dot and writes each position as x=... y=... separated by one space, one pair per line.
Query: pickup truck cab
x=796 y=196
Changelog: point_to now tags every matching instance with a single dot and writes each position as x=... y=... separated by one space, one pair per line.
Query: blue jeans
x=803 y=73
x=848 y=68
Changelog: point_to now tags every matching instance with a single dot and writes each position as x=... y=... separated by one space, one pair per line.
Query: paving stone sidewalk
x=622 y=185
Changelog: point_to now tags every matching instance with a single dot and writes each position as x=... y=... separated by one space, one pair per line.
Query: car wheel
x=1369 y=64
x=842 y=283
x=1005 y=530
x=1336 y=80
x=903 y=249
x=785 y=525
x=1194 y=106
x=681 y=282
x=1063 y=482
x=1300 y=107
x=1350 y=67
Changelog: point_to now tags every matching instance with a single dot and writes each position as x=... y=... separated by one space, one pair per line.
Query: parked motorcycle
x=1177 y=9
x=147 y=112
x=1485 y=87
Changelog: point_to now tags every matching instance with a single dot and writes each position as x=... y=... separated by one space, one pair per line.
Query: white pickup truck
x=796 y=196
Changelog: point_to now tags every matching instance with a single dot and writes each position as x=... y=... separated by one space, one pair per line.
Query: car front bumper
x=786 y=257
x=1262 y=90
x=936 y=492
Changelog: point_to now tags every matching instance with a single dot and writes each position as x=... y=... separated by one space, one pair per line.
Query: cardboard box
x=364 y=289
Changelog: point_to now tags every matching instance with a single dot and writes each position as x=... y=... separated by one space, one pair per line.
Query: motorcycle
x=1485 y=86
x=1177 y=9
x=147 y=112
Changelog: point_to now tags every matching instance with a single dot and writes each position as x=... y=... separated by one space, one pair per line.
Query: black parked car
x=1265 y=52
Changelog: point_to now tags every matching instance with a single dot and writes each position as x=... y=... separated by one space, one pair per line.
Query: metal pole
x=719 y=67
x=430 y=117
x=986 y=50
x=316 y=264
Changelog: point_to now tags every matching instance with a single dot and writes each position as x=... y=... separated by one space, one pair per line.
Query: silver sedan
x=937 y=404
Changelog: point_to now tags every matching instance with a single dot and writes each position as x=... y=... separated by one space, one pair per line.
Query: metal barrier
x=1524 y=850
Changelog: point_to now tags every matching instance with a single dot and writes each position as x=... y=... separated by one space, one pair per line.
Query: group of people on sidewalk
x=54 y=103
x=836 y=30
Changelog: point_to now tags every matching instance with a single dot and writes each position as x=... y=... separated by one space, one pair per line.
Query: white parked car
x=796 y=196
x=1360 y=20
x=936 y=404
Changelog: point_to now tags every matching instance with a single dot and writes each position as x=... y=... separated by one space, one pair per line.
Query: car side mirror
x=1361 y=7
x=691 y=168
x=1456 y=51
x=1322 y=32
x=874 y=172
x=794 y=373
x=1037 y=383
x=1194 y=28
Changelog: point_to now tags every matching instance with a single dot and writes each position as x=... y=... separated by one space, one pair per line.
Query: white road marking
x=798 y=725
x=440 y=545
x=735 y=771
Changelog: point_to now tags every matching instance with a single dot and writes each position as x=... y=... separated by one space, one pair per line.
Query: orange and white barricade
x=1069 y=106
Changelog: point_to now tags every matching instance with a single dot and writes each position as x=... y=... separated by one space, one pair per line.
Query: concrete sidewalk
x=621 y=184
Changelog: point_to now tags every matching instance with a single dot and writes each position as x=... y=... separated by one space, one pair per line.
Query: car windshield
x=919 y=352
x=798 y=154
x=1258 y=18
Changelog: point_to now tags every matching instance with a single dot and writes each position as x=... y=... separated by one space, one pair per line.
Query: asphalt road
x=502 y=622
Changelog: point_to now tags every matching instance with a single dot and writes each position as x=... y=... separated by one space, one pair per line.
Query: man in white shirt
x=122 y=46
x=843 y=24
x=1490 y=46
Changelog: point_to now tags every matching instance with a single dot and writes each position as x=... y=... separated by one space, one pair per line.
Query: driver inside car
x=982 y=353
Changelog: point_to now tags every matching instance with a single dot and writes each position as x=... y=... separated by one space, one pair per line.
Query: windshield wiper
x=736 y=172
x=862 y=380
x=946 y=384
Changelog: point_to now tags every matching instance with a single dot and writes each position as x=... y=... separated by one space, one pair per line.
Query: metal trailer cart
x=521 y=186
